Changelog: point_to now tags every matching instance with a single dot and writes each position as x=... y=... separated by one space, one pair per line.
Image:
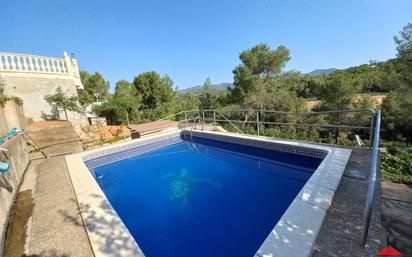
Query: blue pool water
x=214 y=199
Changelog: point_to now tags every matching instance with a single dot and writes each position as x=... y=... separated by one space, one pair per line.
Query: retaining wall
x=18 y=157
x=11 y=116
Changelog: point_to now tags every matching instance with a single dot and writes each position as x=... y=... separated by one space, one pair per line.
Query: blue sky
x=190 y=40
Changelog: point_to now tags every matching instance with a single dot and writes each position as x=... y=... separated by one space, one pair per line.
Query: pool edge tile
x=296 y=231
x=316 y=195
x=120 y=246
x=102 y=224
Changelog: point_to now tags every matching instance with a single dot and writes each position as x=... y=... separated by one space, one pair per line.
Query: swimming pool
x=210 y=195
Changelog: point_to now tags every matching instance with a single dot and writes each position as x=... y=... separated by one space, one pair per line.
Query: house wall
x=32 y=90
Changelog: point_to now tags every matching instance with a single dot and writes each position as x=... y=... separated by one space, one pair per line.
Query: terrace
x=76 y=204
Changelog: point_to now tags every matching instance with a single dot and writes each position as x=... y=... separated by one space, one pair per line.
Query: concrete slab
x=397 y=216
x=400 y=192
x=340 y=234
x=57 y=228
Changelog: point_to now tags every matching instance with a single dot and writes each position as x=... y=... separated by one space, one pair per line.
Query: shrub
x=396 y=165
x=4 y=99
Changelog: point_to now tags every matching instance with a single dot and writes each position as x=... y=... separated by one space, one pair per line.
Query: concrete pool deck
x=340 y=234
x=294 y=235
x=52 y=226
x=45 y=219
x=397 y=216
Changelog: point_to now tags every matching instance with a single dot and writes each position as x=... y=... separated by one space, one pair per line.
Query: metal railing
x=372 y=180
x=373 y=128
x=193 y=126
x=258 y=118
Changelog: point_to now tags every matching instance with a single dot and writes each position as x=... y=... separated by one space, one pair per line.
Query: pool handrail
x=191 y=131
x=370 y=196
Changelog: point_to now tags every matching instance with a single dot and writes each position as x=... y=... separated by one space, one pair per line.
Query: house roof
x=151 y=126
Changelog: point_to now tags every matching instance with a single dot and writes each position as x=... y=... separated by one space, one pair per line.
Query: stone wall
x=18 y=157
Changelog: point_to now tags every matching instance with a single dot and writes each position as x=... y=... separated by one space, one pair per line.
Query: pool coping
x=294 y=234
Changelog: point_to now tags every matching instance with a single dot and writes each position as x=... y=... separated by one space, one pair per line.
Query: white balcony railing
x=10 y=62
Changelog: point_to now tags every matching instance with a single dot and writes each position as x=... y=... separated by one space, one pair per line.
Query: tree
x=85 y=97
x=403 y=64
x=404 y=40
x=207 y=99
x=258 y=63
x=154 y=89
x=61 y=100
x=396 y=116
x=222 y=99
x=168 y=93
x=125 y=89
x=397 y=106
x=387 y=75
x=119 y=110
x=122 y=88
x=311 y=86
x=188 y=101
x=123 y=106
x=338 y=93
x=96 y=88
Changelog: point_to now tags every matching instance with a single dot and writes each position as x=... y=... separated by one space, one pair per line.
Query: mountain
x=218 y=88
x=321 y=72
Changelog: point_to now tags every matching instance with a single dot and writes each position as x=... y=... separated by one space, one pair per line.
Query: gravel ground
x=340 y=234
x=397 y=216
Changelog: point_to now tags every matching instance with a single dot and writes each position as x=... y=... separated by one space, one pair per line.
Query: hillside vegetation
x=260 y=82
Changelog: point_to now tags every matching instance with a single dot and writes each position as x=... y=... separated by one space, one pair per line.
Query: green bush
x=4 y=99
x=396 y=165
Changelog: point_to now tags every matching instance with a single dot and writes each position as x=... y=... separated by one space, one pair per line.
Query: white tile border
x=293 y=235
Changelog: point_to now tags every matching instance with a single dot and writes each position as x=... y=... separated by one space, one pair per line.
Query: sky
x=191 y=40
